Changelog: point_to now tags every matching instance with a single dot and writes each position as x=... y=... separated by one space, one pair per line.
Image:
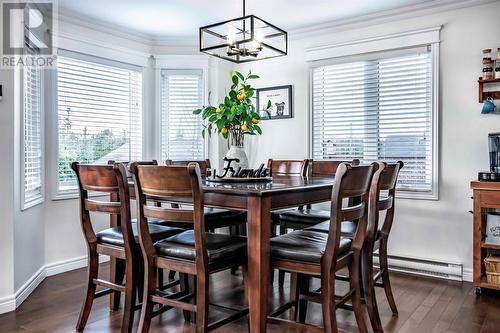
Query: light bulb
x=231 y=35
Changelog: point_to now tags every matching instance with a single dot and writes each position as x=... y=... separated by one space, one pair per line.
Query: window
x=378 y=109
x=32 y=135
x=99 y=114
x=181 y=93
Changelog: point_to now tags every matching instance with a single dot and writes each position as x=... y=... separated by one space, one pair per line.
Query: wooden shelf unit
x=486 y=196
x=485 y=94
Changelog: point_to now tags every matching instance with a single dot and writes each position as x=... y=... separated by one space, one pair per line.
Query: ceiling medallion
x=244 y=39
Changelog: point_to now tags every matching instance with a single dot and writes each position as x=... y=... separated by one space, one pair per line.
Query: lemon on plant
x=223 y=130
x=242 y=96
x=255 y=121
x=218 y=110
x=244 y=127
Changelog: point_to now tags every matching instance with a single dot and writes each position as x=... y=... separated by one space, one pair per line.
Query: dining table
x=259 y=199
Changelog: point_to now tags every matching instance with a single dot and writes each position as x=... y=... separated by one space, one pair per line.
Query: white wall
x=439 y=230
x=7 y=185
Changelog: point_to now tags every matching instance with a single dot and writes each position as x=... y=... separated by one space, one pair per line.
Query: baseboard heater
x=442 y=270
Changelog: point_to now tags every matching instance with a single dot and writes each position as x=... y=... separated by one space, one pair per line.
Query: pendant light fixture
x=244 y=39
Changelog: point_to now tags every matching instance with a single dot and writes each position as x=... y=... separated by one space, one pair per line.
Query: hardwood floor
x=425 y=305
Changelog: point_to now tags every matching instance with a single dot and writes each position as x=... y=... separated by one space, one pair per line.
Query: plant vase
x=237 y=150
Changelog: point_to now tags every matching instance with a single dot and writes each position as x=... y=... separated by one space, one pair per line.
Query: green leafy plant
x=237 y=115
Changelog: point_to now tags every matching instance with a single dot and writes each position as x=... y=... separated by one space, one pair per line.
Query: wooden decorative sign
x=230 y=175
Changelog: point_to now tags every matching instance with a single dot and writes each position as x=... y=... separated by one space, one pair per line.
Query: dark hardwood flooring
x=425 y=305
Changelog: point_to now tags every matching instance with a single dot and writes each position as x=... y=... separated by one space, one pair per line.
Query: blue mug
x=489 y=106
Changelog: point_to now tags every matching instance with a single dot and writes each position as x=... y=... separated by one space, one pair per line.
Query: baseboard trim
x=11 y=303
x=467 y=275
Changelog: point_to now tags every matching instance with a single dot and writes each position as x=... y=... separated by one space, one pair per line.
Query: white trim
x=181 y=61
x=176 y=61
x=41 y=198
x=317 y=56
x=104 y=50
x=381 y=43
x=386 y=16
x=467 y=275
x=10 y=303
x=360 y=21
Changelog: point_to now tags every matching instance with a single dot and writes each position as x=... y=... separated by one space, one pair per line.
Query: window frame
x=53 y=128
x=39 y=199
x=433 y=194
x=179 y=62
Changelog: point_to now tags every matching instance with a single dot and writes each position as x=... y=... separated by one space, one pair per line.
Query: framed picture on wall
x=281 y=102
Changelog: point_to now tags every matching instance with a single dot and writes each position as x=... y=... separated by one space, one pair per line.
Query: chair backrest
x=327 y=168
x=386 y=201
x=112 y=180
x=127 y=164
x=167 y=184
x=288 y=167
x=350 y=182
x=204 y=164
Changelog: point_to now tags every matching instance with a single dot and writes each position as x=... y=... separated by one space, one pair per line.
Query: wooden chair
x=120 y=242
x=194 y=252
x=307 y=253
x=305 y=217
x=216 y=218
x=376 y=239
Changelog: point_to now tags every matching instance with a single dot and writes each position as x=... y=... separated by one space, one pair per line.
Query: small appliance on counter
x=494 y=174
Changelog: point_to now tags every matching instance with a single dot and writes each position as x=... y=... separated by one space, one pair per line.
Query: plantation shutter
x=32 y=127
x=99 y=114
x=377 y=110
x=181 y=93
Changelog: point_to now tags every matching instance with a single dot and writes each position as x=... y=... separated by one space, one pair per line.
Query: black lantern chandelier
x=244 y=39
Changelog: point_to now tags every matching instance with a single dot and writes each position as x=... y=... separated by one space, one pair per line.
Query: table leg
x=259 y=233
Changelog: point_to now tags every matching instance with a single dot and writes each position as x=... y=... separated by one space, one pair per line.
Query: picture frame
x=281 y=102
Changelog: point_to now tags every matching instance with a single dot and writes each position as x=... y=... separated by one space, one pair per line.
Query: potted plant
x=235 y=117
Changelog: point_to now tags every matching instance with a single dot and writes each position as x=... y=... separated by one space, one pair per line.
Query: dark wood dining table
x=259 y=199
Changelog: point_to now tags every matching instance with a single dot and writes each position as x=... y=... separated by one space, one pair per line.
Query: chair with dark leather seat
x=120 y=242
x=287 y=168
x=307 y=253
x=376 y=239
x=194 y=252
x=306 y=216
x=216 y=218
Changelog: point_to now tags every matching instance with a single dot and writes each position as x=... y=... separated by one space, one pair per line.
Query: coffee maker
x=494 y=147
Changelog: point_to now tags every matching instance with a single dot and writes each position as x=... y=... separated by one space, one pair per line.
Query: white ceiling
x=178 y=18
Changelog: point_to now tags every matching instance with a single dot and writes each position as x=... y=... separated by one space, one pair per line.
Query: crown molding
x=68 y=16
x=410 y=11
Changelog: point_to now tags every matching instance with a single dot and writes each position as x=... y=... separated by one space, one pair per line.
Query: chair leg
x=385 y=277
x=369 y=291
x=117 y=274
x=281 y=278
x=202 y=304
x=92 y=271
x=130 y=298
x=184 y=285
x=328 y=304
x=160 y=279
x=150 y=284
x=294 y=296
x=354 y=281
x=304 y=283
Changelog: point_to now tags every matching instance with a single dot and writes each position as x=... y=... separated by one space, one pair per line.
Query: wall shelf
x=485 y=94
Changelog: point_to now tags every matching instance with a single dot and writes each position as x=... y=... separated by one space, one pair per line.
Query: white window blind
x=181 y=93
x=377 y=110
x=32 y=128
x=99 y=115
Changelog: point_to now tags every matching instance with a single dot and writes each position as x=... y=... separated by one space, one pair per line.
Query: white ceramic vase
x=239 y=153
